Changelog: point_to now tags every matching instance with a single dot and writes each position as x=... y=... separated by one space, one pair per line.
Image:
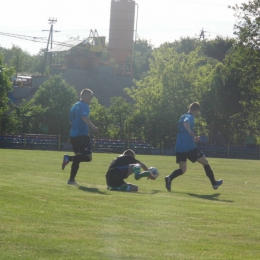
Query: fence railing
x=52 y=142
x=30 y=141
x=228 y=151
x=231 y=151
x=118 y=146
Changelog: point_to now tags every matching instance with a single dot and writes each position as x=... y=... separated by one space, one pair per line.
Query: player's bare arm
x=143 y=166
x=187 y=126
x=88 y=121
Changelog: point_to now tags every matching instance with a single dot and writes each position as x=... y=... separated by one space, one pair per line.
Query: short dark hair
x=129 y=152
x=194 y=106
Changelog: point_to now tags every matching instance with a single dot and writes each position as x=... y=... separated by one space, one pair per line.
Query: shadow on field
x=155 y=191
x=209 y=197
x=152 y=192
x=94 y=190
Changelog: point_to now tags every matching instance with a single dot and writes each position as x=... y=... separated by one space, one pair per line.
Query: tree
x=173 y=82
x=248 y=25
x=218 y=48
x=26 y=118
x=100 y=117
x=232 y=97
x=37 y=62
x=184 y=45
x=142 y=53
x=5 y=87
x=120 y=112
x=5 y=83
x=56 y=97
x=22 y=61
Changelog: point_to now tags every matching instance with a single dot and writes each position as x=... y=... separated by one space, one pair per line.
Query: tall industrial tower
x=121 y=34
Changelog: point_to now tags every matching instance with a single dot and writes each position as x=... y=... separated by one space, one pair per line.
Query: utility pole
x=50 y=40
x=202 y=34
x=136 y=35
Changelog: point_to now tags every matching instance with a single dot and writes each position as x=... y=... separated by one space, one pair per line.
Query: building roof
x=66 y=46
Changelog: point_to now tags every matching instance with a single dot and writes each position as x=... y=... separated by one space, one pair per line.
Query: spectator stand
x=30 y=141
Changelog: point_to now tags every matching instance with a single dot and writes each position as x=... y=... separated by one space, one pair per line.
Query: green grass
x=41 y=217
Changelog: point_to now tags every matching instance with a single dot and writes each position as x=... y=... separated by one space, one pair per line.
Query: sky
x=158 y=21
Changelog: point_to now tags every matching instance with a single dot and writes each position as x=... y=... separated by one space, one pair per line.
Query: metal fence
x=52 y=142
x=30 y=141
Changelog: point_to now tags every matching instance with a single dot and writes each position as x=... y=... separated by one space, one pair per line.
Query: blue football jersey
x=78 y=126
x=185 y=141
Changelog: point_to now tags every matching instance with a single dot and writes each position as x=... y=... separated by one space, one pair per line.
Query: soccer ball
x=154 y=172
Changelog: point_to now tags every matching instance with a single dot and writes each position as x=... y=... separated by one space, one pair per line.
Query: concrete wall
x=21 y=92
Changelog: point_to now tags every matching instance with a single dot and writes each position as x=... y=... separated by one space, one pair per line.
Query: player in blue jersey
x=186 y=148
x=80 y=141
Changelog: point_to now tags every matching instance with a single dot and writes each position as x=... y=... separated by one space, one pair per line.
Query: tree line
x=221 y=74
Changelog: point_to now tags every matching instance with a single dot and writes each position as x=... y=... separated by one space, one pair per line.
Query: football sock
x=74 y=170
x=210 y=174
x=138 y=173
x=136 y=170
x=71 y=158
x=175 y=174
x=142 y=174
x=122 y=188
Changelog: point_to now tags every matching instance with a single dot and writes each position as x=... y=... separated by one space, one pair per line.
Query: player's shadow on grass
x=152 y=192
x=94 y=190
x=209 y=197
x=155 y=191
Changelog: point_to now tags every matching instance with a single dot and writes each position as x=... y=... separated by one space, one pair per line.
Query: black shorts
x=115 y=177
x=81 y=144
x=192 y=155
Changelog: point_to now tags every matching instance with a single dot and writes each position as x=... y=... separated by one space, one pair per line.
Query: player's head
x=194 y=108
x=129 y=152
x=86 y=95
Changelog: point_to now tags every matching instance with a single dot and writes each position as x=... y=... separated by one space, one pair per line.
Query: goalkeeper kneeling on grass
x=123 y=166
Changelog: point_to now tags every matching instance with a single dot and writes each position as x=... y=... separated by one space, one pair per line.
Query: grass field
x=41 y=217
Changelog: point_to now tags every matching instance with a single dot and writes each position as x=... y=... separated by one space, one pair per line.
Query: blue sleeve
x=85 y=111
x=187 y=118
x=190 y=120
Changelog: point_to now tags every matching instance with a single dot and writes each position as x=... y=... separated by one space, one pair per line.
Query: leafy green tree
x=5 y=83
x=56 y=98
x=27 y=118
x=18 y=59
x=248 y=26
x=5 y=87
x=173 y=82
x=119 y=112
x=218 y=47
x=232 y=97
x=37 y=62
x=22 y=61
x=142 y=53
x=185 y=45
x=100 y=117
